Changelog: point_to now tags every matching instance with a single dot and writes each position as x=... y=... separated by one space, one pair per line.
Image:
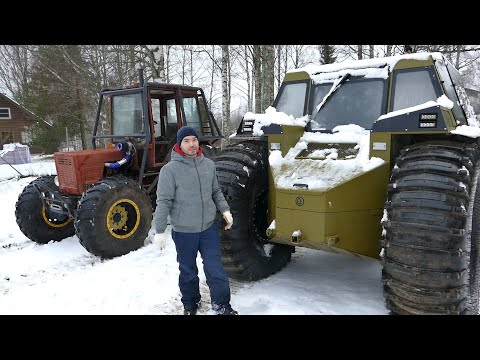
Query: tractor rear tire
x=35 y=221
x=113 y=217
x=431 y=241
x=242 y=171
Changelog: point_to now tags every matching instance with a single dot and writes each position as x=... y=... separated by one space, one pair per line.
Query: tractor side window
x=127 y=114
x=157 y=124
x=192 y=114
x=291 y=99
x=171 y=122
x=413 y=87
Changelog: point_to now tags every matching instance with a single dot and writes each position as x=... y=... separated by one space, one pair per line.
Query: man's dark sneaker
x=226 y=310
x=191 y=311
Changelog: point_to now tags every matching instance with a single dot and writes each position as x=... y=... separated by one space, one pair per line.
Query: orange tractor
x=106 y=195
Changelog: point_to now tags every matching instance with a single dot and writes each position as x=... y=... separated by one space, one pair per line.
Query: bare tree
x=212 y=77
x=249 y=91
x=161 y=64
x=241 y=65
x=225 y=93
x=167 y=63
x=152 y=56
x=389 y=50
x=297 y=55
x=279 y=62
x=268 y=75
x=15 y=70
x=360 y=52
x=257 y=77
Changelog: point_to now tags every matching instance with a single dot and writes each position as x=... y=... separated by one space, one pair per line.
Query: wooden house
x=14 y=123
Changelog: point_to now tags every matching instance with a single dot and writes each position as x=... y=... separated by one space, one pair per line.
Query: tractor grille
x=66 y=171
x=78 y=170
x=323 y=151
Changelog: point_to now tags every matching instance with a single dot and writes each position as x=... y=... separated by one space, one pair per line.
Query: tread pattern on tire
x=242 y=171
x=427 y=267
x=90 y=223
x=29 y=218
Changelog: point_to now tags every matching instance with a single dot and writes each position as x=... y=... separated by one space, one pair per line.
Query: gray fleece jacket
x=188 y=191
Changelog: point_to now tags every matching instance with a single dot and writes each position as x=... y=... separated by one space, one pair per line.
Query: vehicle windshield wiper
x=332 y=91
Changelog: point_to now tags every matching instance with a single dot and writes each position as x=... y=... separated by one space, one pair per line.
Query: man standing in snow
x=188 y=191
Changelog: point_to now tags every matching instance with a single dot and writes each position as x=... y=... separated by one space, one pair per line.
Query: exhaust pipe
x=140 y=76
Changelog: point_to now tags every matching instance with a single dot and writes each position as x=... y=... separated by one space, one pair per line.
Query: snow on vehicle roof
x=352 y=65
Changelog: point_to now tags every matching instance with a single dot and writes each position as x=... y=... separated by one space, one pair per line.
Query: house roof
x=30 y=113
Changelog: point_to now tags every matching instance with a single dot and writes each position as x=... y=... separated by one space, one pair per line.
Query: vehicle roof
x=376 y=67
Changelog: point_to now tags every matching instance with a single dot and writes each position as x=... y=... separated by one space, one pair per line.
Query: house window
x=5 y=113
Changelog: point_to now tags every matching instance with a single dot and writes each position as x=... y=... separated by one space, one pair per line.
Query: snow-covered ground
x=63 y=278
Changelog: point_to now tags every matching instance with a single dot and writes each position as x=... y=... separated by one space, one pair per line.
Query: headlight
x=55 y=180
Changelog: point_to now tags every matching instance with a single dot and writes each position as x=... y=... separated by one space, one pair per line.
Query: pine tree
x=327 y=54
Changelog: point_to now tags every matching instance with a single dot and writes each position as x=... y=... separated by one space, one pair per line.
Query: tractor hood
x=322 y=161
x=78 y=170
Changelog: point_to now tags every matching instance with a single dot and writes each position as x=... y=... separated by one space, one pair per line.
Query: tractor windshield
x=357 y=101
x=127 y=114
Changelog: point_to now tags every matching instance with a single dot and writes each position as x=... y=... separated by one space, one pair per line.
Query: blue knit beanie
x=185 y=131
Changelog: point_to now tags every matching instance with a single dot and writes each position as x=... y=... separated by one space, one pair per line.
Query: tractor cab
x=147 y=116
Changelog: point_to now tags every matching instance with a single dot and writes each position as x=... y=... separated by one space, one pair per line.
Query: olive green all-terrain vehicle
x=106 y=195
x=377 y=158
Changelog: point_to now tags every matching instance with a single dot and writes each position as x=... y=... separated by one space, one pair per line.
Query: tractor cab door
x=174 y=107
x=169 y=124
x=165 y=123
x=196 y=115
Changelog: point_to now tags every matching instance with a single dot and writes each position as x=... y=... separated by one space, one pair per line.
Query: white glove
x=160 y=240
x=228 y=218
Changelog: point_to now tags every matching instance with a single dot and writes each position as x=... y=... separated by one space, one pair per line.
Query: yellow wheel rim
x=53 y=222
x=123 y=218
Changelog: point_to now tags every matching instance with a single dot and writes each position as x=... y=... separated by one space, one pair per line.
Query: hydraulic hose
x=127 y=147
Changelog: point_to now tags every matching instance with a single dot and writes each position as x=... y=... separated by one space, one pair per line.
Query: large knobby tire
x=37 y=222
x=209 y=151
x=113 y=217
x=430 y=256
x=242 y=171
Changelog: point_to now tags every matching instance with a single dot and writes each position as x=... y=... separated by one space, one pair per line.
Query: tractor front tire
x=113 y=217
x=36 y=221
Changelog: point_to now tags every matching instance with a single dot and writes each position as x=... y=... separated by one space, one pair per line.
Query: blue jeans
x=207 y=243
